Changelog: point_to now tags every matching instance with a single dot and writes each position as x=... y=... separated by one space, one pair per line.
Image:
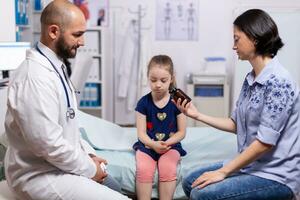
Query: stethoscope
x=70 y=111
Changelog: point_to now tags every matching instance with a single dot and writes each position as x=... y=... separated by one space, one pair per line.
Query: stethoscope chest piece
x=70 y=113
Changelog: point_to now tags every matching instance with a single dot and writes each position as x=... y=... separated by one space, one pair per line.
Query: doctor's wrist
x=91 y=170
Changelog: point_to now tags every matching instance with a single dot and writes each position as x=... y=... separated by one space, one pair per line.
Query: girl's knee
x=166 y=176
x=145 y=168
x=167 y=166
x=167 y=171
x=145 y=173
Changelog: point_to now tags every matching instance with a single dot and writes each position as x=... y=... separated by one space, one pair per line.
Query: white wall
x=215 y=39
x=7 y=21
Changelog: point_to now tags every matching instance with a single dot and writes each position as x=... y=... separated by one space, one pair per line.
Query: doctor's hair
x=57 y=13
x=163 y=61
x=260 y=28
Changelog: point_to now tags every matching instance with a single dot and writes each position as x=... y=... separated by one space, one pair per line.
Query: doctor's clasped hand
x=101 y=173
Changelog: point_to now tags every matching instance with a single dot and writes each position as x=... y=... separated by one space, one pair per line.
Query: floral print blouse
x=268 y=110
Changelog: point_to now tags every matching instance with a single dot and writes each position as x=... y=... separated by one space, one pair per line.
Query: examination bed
x=204 y=145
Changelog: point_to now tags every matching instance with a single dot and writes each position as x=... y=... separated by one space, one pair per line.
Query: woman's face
x=243 y=45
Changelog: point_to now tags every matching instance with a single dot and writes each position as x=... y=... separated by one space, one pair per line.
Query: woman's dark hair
x=260 y=28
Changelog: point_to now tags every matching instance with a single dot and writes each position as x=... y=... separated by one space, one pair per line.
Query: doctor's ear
x=53 y=31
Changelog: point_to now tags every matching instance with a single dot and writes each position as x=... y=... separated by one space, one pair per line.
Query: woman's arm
x=180 y=134
x=225 y=124
x=250 y=154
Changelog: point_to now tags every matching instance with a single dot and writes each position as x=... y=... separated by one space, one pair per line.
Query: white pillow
x=102 y=134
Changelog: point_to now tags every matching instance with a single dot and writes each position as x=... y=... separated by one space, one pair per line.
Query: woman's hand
x=187 y=108
x=209 y=178
x=160 y=147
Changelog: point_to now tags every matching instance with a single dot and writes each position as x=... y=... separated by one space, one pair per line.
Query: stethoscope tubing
x=70 y=111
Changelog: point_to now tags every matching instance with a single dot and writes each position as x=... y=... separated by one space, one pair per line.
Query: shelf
x=93 y=81
x=94 y=112
x=90 y=107
x=37 y=12
x=23 y=26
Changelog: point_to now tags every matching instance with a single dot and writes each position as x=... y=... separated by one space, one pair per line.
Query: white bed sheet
x=204 y=146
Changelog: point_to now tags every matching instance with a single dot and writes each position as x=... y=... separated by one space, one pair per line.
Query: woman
x=266 y=121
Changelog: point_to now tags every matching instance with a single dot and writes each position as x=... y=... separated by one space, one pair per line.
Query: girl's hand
x=209 y=178
x=167 y=143
x=160 y=147
x=187 y=108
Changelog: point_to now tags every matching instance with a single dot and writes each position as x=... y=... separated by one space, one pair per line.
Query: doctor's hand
x=100 y=174
x=160 y=147
x=187 y=108
x=208 y=178
x=98 y=159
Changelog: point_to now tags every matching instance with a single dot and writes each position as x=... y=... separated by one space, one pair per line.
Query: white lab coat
x=133 y=76
x=46 y=157
x=128 y=62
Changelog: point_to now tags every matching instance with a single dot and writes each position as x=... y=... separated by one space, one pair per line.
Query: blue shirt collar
x=264 y=75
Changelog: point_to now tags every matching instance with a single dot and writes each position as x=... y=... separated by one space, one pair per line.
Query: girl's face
x=243 y=45
x=159 y=79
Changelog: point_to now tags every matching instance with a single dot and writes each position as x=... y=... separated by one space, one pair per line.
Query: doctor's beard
x=64 y=50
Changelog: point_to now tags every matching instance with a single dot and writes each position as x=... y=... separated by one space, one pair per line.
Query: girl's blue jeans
x=236 y=187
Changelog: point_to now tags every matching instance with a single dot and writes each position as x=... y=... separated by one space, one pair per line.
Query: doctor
x=46 y=158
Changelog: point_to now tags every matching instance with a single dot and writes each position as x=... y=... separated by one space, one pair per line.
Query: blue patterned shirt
x=268 y=109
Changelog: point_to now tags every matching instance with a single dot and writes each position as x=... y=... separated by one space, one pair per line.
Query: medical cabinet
x=210 y=94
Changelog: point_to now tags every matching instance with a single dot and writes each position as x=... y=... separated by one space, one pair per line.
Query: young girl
x=160 y=127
